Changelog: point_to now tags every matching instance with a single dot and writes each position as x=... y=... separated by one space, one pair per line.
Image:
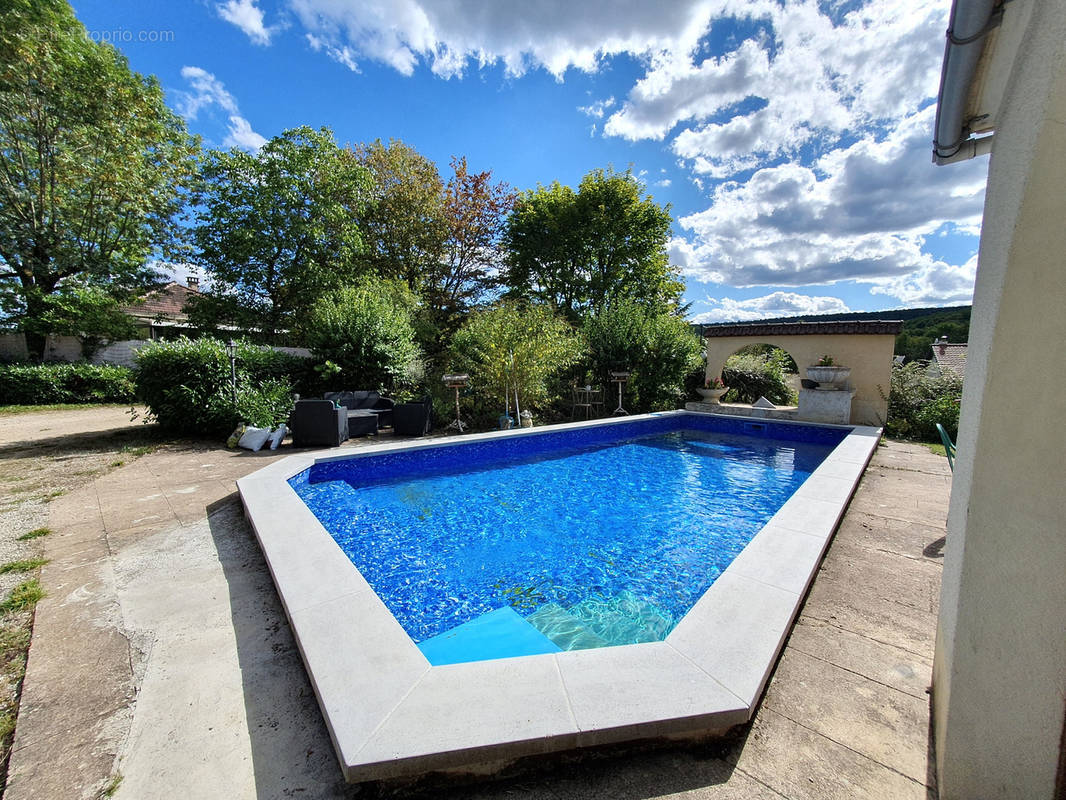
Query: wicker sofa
x=368 y=411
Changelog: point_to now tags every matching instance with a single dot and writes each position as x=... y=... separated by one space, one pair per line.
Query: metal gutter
x=971 y=20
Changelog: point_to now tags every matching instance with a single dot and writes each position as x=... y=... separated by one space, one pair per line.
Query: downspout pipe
x=970 y=21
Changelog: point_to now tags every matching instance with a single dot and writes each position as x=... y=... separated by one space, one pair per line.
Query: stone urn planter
x=829 y=377
x=712 y=395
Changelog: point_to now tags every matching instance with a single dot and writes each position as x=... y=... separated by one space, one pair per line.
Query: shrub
x=365 y=332
x=917 y=401
x=659 y=351
x=42 y=384
x=751 y=375
x=512 y=347
x=186 y=385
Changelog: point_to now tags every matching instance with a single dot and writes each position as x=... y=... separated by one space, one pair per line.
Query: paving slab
x=882 y=723
x=891 y=666
x=801 y=764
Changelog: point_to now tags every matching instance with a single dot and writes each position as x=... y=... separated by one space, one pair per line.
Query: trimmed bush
x=512 y=347
x=751 y=375
x=186 y=385
x=659 y=351
x=364 y=336
x=45 y=384
x=918 y=401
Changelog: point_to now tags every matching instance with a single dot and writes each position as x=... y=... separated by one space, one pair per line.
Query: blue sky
x=792 y=139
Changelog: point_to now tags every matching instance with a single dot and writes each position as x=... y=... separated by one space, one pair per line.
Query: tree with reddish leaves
x=475 y=210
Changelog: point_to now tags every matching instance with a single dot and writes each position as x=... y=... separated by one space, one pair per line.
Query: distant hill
x=920 y=326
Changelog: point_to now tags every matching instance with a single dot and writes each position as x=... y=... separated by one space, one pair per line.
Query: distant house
x=160 y=314
x=948 y=357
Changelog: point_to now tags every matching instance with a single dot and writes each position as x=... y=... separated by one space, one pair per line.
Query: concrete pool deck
x=163 y=654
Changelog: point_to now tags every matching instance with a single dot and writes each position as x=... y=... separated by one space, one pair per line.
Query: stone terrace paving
x=162 y=642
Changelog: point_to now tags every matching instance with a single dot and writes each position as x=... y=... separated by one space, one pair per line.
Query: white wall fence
x=68 y=348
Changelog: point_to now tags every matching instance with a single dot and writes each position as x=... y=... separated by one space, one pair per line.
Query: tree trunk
x=35 y=345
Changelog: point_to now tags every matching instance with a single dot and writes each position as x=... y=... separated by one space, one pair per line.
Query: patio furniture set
x=340 y=416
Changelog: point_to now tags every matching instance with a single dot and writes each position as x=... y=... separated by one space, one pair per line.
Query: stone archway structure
x=866 y=347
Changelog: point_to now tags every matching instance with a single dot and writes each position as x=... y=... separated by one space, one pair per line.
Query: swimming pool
x=391 y=713
x=579 y=542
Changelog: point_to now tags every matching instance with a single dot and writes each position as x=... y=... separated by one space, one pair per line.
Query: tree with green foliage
x=276 y=230
x=93 y=166
x=512 y=350
x=590 y=248
x=364 y=334
x=658 y=349
x=404 y=225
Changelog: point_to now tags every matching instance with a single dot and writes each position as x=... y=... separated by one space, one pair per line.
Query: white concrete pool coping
x=390 y=714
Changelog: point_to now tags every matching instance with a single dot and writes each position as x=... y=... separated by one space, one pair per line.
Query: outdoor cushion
x=277 y=435
x=254 y=438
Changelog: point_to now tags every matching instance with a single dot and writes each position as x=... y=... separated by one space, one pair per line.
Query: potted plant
x=712 y=390
x=828 y=373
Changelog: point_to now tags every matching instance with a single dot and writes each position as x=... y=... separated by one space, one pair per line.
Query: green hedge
x=750 y=376
x=45 y=384
x=918 y=401
x=186 y=385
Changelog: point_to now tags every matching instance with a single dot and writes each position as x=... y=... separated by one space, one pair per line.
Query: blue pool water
x=563 y=540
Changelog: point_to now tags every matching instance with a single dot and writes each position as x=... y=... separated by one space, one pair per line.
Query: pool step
x=623 y=619
x=563 y=628
x=497 y=634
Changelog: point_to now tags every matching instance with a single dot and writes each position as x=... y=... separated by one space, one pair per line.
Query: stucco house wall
x=999 y=673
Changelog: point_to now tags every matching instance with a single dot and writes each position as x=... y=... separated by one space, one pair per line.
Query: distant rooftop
x=950 y=356
x=167 y=302
x=890 y=327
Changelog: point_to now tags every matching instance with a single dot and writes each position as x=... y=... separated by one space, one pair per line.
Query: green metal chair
x=949 y=446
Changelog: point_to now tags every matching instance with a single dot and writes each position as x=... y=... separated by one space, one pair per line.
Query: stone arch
x=866 y=347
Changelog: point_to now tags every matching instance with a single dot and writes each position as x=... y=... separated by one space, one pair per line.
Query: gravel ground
x=44 y=454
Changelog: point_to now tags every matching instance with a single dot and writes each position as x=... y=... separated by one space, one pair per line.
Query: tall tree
x=474 y=212
x=92 y=168
x=277 y=229
x=404 y=225
x=587 y=249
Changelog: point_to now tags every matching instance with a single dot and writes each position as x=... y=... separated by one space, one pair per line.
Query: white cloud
x=242 y=135
x=207 y=92
x=597 y=109
x=935 y=284
x=804 y=78
x=247 y=16
x=555 y=35
x=776 y=304
x=858 y=213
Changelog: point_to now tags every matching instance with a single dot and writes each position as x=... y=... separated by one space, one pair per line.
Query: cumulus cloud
x=934 y=284
x=450 y=35
x=208 y=92
x=803 y=77
x=247 y=16
x=776 y=304
x=858 y=213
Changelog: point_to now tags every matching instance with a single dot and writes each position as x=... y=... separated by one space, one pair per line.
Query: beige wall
x=868 y=355
x=999 y=675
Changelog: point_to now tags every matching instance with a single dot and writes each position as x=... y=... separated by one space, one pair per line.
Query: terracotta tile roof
x=879 y=326
x=950 y=357
x=167 y=303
